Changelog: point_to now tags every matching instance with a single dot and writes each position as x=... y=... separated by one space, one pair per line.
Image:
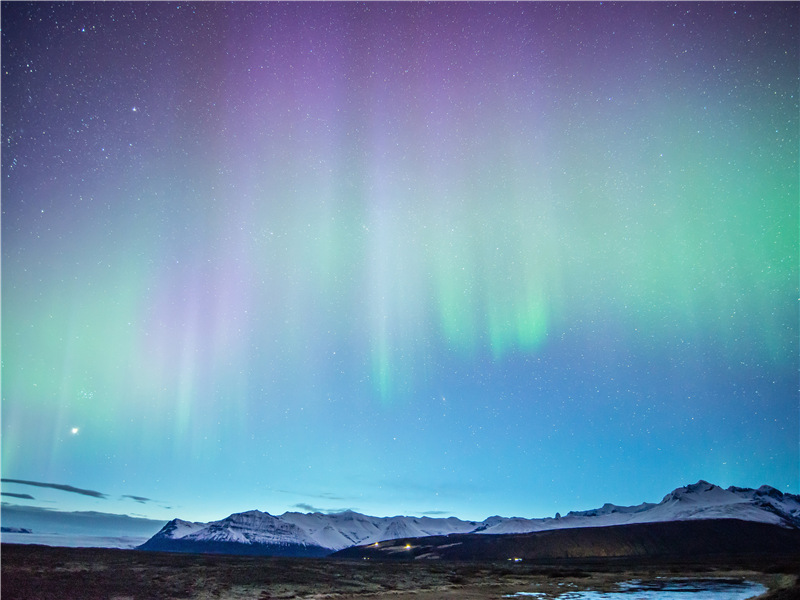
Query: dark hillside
x=722 y=538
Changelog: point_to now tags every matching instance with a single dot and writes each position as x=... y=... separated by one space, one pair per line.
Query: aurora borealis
x=405 y=258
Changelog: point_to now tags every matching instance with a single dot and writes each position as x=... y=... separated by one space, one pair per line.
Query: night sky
x=445 y=259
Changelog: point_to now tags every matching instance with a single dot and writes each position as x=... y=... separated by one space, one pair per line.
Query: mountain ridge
x=318 y=534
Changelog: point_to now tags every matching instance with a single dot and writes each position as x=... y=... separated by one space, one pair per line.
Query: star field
x=458 y=258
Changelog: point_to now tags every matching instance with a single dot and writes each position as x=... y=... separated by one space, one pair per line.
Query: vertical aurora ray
x=331 y=235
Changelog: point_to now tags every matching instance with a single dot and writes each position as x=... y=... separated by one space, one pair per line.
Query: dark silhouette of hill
x=700 y=539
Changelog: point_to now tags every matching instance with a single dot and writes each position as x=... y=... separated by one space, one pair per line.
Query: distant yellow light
x=408 y=546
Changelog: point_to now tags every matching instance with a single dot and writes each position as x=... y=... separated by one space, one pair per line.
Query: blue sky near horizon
x=450 y=258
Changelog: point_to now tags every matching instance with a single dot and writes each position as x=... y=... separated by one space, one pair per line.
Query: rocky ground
x=42 y=573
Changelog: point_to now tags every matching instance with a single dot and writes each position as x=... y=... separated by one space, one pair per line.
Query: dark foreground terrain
x=42 y=573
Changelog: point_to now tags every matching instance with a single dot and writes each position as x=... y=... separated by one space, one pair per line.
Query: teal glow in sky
x=448 y=258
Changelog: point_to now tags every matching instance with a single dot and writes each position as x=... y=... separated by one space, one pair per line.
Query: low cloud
x=43 y=520
x=22 y=496
x=139 y=499
x=436 y=513
x=57 y=486
x=313 y=509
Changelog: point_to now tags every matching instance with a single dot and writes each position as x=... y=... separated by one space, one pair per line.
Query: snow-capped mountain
x=294 y=533
x=317 y=534
x=701 y=500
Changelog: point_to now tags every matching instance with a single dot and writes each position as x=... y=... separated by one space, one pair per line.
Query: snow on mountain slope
x=177 y=528
x=786 y=506
x=252 y=527
x=337 y=530
x=402 y=527
x=501 y=525
x=613 y=509
x=321 y=532
x=701 y=500
x=704 y=500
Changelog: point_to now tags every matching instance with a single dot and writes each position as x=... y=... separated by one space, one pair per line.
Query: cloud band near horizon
x=58 y=486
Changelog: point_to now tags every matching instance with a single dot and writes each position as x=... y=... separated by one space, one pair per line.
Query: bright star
x=74 y=431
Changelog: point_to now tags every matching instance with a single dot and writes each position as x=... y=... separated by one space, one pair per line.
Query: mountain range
x=319 y=534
